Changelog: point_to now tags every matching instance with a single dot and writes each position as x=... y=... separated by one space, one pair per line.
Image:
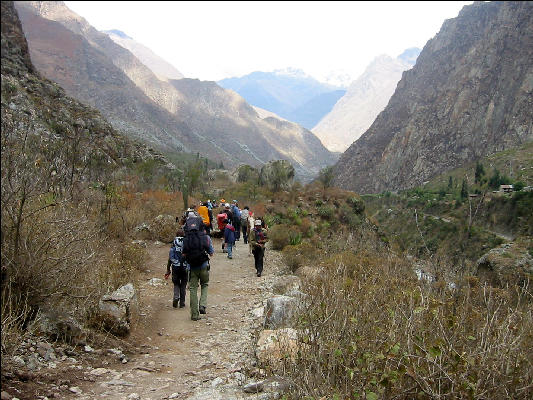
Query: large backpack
x=193 y=223
x=175 y=254
x=194 y=244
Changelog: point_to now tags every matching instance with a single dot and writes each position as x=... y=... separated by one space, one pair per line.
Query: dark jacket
x=229 y=213
x=229 y=234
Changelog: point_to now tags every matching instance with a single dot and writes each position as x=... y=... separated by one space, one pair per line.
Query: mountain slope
x=291 y=94
x=366 y=97
x=154 y=109
x=160 y=67
x=48 y=137
x=469 y=94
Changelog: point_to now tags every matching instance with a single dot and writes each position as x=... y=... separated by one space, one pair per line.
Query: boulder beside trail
x=119 y=309
x=279 y=311
x=273 y=346
x=58 y=325
x=164 y=228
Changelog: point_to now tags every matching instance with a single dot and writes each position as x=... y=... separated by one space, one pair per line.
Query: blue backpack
x=175 y=253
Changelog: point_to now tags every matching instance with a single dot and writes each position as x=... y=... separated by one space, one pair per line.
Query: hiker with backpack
x=245 y=213
x=236 y=219
x=197 y=248
x=221 y=221
x=229 y=238
x=203 y=211
x=258 y=240
x=179 y=270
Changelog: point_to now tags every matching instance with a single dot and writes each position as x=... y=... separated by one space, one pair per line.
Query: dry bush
x=279 y=236
x=307 y=227
x=296 y=256
x=372 y=330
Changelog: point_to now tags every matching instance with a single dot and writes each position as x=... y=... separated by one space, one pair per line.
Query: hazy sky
x=216 y=40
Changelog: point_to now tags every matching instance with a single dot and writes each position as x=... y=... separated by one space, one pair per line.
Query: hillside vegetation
x=369 y=327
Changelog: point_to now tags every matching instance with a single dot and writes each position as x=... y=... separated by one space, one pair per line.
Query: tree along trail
x=175 y=357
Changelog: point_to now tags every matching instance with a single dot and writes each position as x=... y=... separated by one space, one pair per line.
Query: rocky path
x=178 y=358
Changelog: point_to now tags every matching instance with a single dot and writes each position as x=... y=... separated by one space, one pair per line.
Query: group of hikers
x=191 y=249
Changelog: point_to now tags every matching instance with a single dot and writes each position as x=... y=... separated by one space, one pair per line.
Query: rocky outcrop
x=470 y=94
x=509 y=264
x=365 y=98
x=37 y=110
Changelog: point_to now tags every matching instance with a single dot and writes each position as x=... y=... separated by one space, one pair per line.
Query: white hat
x=257 y=222
x=191 y=214
x=226 y=205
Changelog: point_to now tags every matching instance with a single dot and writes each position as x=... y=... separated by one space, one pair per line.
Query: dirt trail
x=179 y=358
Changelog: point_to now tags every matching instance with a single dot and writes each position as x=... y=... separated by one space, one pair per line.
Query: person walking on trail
x=229 y=238
x=258 y=240
x=245 y=213
x=236 y=219
x=228 y=211
x=197 y=249
x=180 y=270
x=221 y=222
x=249 y=228
x=203 y=212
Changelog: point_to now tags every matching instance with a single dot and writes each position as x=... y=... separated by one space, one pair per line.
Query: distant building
x=506 y=188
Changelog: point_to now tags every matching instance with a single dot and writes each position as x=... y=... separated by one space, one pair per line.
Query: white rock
x=99 y=371
x=217 y=381
x=156 y=282
x=19 y=361
x=75 y=390
x=88 y=349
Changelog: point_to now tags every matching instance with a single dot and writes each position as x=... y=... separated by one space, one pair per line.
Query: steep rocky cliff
x=47 y=135
x=469 y=94
x=194 y=116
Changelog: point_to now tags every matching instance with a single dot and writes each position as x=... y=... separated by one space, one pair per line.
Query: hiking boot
x=259 y=274
x=196 y=318
x=230 y=257
x=202 y=310
x=175 y=303
x=182 y=305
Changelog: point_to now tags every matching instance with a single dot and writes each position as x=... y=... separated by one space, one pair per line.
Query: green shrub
x=295 y=238
x=357 y=204
x=326 y=212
